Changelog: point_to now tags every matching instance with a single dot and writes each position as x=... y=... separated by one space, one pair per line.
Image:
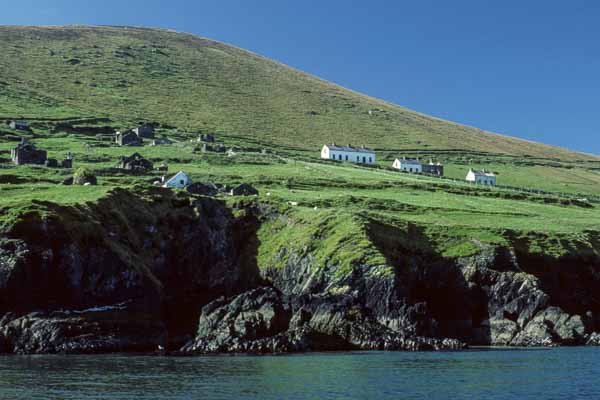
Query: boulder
x=550 y=327
x=593 y=339
x=238 y=324
x=262 y=321
x=502 y=331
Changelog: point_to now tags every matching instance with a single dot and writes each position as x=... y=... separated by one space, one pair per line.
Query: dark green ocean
x=563 y=373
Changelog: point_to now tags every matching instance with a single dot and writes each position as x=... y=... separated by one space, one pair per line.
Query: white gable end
x=180 y=181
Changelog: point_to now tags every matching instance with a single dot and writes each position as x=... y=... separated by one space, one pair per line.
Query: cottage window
x=364 y=159
x=340 y=157
x=181 y=182
x=357 y=159
x=370 y=159
x=346 y=157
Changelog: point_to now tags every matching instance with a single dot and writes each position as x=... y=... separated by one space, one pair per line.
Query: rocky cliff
x=128 y=273
x=195 y=275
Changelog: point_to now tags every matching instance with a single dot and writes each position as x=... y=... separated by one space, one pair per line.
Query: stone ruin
x=27 y=153
x=66 y=163
x=206 y=148
x=128 y=138
x=206 y=138
x=244 y=190
x=136 y=163
x=163 y=167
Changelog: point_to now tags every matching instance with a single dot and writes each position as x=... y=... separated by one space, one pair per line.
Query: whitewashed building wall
x=351 y=154
x=413 y=166
x=481 y=177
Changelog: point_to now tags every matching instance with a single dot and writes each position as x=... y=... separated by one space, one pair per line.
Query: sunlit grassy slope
x=115 y=77
x=130 y=74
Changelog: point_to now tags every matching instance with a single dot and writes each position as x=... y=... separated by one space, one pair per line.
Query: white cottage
x=180 y=180
x=405 y=165
x=357 y=155
x=481 y=177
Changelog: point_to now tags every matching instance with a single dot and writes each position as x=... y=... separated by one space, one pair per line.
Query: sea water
x=561 y=373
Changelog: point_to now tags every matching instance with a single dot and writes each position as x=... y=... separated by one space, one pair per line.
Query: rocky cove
x=149 y=267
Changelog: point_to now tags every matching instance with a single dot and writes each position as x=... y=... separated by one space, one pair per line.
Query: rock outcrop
x=261 y=321
x=159 y=268
x=160 y=255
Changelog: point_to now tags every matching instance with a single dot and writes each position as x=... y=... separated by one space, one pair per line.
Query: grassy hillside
x=131 y=74
x=100 y=79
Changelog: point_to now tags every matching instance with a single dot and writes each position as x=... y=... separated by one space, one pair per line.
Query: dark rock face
x=261 y=321
x=522 y=307
x=487 y=299
x=76 y=262
x=96 y=330
x=161 y=268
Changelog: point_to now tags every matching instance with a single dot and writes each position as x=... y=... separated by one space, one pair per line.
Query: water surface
x=564 y=373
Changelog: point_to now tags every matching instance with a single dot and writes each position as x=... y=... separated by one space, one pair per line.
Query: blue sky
x=525 y=68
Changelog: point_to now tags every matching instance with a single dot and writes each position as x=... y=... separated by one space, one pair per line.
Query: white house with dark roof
x=481 y=177
x=179 y=181
x=357 y=155
x=407 y=165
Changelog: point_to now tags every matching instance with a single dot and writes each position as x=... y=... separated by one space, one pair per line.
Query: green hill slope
x=131 y=74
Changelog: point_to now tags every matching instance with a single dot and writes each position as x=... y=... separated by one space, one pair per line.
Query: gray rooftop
x=350 y=149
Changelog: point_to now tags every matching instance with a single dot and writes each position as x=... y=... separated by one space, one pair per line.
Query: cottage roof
x=350 y=149
x=483 y=173
x=409 y=161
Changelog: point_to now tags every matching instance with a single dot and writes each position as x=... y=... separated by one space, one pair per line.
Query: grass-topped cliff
x=328 y=256
x=100 y=79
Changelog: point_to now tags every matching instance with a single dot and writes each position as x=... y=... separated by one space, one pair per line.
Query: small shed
x=179 y=181
x=436 y=169
x=145 y=131
x=51 y=163
x=128 y=138
x=207 y=138
x=68 y=161
x=27 y=153
x=19 y=125
x=136 y=163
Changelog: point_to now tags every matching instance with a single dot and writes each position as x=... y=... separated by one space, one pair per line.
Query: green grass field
x=115 y=77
